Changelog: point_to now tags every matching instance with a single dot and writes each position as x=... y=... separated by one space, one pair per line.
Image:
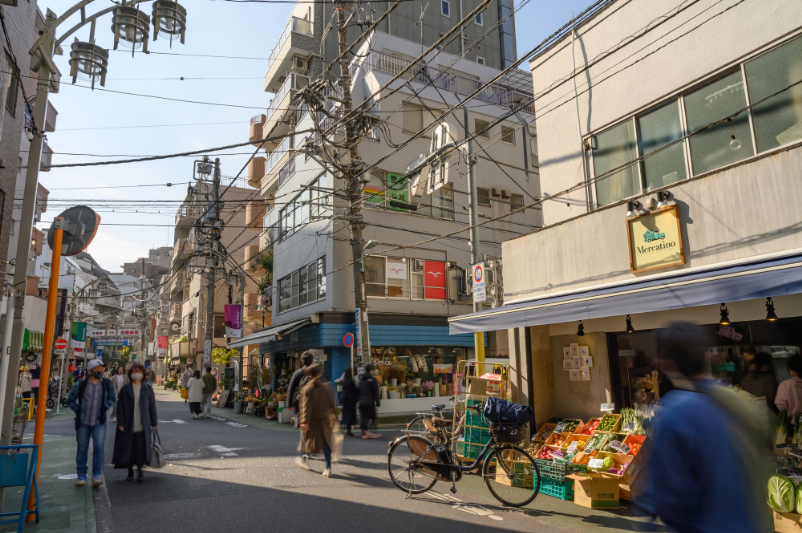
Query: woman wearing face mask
x=136 y=415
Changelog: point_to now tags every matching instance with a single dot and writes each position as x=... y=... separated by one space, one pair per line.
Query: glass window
x=711 y=148
x=416 y=278
x=303 y=207
x=374 y=193
x=303 y=287
x=296 y=289
x=430 y=116
x=321 y=278
x=311 y=280
x=507 y=135
x=375 y=276
x=484 y=196
x=413 y=118
x=778 y=120
x=516 y=201
x=481 y=128
x=479 y=21
x=443 y=202
x=397 y=278
x=285 y=293
x=445 y=8
x=611 y=149
x=11 y=86
x=656 y=129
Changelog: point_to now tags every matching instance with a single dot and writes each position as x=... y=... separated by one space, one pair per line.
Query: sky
x=110 y=123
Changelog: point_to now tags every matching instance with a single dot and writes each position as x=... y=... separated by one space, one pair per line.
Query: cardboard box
x=595 y=492
x=521 y=474
x=787 y=522
x=637 y=464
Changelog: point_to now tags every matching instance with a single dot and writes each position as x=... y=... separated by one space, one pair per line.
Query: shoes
x=302 y=463
x=206 y=415
x=327 y=472
x=140 y=478
x=193 y=416
x=350 y=434
x=130 y=476
x=97 y=480
x=81 y=481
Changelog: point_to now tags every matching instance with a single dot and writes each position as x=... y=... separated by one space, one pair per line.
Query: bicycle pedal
x=453 y=490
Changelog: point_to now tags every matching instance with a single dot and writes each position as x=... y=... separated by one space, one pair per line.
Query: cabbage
x=798 y=499
x=610 y=463
x=782 y=494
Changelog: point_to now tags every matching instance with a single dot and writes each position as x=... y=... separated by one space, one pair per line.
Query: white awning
x=267 y=335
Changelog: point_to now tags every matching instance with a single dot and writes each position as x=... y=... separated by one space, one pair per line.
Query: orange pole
x=44 y=375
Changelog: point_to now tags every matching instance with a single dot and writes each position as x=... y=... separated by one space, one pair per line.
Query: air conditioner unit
x=417 y=265
x=495 y=192
x=300 y=65
x=505 y=194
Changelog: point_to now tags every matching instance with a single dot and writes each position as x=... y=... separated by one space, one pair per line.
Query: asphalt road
x=226 y=475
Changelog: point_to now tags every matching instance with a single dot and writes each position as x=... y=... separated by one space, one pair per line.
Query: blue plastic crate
x=563 y=490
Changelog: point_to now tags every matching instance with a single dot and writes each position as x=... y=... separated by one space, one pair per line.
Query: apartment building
x=685 y=187
x=411 y=293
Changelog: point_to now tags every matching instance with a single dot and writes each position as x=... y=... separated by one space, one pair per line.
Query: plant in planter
x=426 y=387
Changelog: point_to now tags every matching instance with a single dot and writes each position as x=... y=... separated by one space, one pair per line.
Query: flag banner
x=233 y=317
x=78 y=336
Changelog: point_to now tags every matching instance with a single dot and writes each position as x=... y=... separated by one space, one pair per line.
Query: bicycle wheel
x=417 y=427
x=511 y=475
x=50 y=403
x=404 y=452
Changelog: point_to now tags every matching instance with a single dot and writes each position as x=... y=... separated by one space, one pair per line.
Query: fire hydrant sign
x=478 y=272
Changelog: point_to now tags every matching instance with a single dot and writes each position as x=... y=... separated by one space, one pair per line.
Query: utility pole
x=213 y=214
x=355 y=187
x=473 y=214
x=142 y=312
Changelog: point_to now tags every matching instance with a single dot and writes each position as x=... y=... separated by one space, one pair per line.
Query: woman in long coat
x=348 y=400
x=316 y=415
x=136 y=415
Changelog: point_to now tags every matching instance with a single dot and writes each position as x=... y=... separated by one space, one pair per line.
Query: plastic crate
x=477 y=435
x=461 y=447
x=557 y=470
x=472 y=451
x=563 y=490
x=475 y=419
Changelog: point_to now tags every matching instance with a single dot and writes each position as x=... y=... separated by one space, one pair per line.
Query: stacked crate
x=477 y=432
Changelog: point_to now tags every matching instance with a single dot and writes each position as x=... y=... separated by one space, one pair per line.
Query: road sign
x=61 y=344
x=348 y=340
x=81 y=227
x=479 y=294
x=60 y=352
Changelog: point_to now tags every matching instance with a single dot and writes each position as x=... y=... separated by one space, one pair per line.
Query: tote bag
x=157 y=460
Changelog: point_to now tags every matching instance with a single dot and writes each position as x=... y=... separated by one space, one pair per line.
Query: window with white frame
x=481 y=128
x=483 y=196
x=721 y=135
x=404 y=278
x=516 y=201
x=480 y=60
x=416 y=117
x=507 y=135
x=310 y=204
x=304 y=286
x=445 y=8
x=479 y=20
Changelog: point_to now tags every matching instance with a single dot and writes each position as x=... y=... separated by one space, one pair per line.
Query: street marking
x=236 y=425
x=179 y=421
x=165 y=421
x=69 y=476
x=222 y=450
x=471 y=508
x=218 y=418
x=187 y=455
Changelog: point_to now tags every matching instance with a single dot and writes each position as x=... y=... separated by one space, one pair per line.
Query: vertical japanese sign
x=78 y=336
x=162 y=343
x=233 y=318
x=434 y=280
x=362 y=352
x=479 y=294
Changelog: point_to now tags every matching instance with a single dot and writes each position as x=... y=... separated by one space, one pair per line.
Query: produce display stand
x=474 y=382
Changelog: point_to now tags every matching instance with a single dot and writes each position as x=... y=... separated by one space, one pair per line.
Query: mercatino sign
x=655 y=240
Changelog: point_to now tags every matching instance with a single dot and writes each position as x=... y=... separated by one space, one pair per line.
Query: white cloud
x=111 y=252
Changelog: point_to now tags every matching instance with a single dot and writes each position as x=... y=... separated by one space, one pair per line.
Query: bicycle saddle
x=438 y=407
x=440 y=422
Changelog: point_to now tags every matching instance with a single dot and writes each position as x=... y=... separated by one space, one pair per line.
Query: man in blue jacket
x=91 y=399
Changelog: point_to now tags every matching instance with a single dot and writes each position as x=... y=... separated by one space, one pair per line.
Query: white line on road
x=179 y=421
x=471 y=508
x=234 y=424
x=222 y=450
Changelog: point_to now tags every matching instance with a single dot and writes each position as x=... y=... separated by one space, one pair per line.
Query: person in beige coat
x=316 y=416
x=119 y=380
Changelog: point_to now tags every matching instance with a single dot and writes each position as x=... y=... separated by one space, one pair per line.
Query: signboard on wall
x=655 y=240
x=479 y=294
x=434 y=280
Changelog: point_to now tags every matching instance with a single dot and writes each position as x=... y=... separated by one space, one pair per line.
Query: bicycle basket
x=511 y=434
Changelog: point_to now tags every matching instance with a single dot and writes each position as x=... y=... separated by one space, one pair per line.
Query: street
x=225 y=473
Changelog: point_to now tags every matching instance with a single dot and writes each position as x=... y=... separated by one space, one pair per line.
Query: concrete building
x=683 y=204
x=411 y=293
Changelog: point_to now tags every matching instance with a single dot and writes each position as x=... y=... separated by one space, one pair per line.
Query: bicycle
x=434 y=425
x=510 y=473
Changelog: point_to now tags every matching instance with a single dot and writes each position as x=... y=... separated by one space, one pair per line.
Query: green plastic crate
x=557 y=470
x=563 y=490
x=472 y=451
x=477 y=435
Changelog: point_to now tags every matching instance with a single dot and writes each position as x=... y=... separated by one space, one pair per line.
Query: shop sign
x=78 y=336
x=479 y=294
x=655 y=240
x=129 y=333
x=95 y=333
x=396 y=270
x=434 y=280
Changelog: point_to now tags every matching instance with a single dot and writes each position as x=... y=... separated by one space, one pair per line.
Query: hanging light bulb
x=131 y=27
x=580 y=331
x=630 y=329
x=735 y=144
x=170 y=18
x=725 y=316
x=88 y=62
x=771 y=316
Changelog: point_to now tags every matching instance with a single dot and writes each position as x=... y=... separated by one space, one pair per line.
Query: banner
x=128 y=332
x=78 y=336
x=162 y=342
x=94 y=332
x=233 y=316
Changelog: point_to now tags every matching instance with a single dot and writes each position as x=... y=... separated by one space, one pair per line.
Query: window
x=479 y=20
x=480 y=60
x=612 y=149
x=376 y=276
x=310 y=204
x=481 y=128
x=417 y=117
x=305 y=285
x=219 y=326
x=401 y=278
x=516 y=201
x=133 y=271
x=655 y=130
x=710 y=149
x=778 y=120
x=507 y=135
x=483 y=196
x=12 y=86
x=374 y=191
x=445 y=8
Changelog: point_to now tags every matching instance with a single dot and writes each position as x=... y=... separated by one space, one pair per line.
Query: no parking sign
x=348 y=340
x=479 y=294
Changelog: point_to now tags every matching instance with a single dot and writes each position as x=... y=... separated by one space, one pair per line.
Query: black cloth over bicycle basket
x=508 y=434
x=503 y=412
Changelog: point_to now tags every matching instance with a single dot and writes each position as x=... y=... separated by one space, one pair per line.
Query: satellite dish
x=80 y=228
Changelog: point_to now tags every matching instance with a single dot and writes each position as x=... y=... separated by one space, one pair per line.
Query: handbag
x=185 y=393
x=157 y=460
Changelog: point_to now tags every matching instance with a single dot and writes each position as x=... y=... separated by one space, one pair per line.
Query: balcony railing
x=47 y=157
x=286 y=145
x=294 y=25
x=286 y=171
x=295 y=82
x=109 y=301
x=453 y=83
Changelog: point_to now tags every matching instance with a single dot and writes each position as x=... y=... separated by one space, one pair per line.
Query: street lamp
x=368 y=245
x=170 y=18
x=131 y=26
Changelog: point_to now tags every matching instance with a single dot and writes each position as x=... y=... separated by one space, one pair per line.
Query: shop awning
x=33 y=341
x=267 y=335
x=747 y=280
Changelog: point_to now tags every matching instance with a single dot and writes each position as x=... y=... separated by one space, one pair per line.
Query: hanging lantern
x=131 y=26
x=170 y=18
x=88 y=62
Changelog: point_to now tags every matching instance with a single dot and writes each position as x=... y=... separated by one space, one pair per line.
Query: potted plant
x=412 y=389
x=392 y=392
x=402 y=390
x=426 y=387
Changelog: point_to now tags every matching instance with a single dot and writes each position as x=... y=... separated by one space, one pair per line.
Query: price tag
x=557 y=453
x=596 y=463
x=616 y=445
x=629 y=427
x=560 y=427
x=607 y=407
x=624 y=448
x=572 y=447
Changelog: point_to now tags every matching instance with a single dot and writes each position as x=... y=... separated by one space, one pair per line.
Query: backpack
x=498 y=411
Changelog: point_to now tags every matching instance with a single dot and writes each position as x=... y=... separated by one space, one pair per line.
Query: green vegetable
x=782 y=494
x=607 y=423
x=799 y=499
x=609 y=446
x=610 y=463
x=781 y=427
x=570 y=426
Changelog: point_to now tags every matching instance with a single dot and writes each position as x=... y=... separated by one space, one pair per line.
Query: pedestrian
x=185 y=377
x=695 y=413
x=137 y=416
x=151 y=375
x=71 y=367
x=348 y=400
x=195 y=388
x=316 y=416
x=369 y=400
x=90 y=399
x=760 y=379
x=119 y=380
x=209 y=386
x=293 y=393
x=789 y=393
x=25 y=383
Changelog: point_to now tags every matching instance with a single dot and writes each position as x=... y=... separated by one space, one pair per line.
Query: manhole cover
x=69 y=476
x=180 y=455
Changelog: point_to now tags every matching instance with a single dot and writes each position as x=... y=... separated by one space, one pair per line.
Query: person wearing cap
x=91 y=399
